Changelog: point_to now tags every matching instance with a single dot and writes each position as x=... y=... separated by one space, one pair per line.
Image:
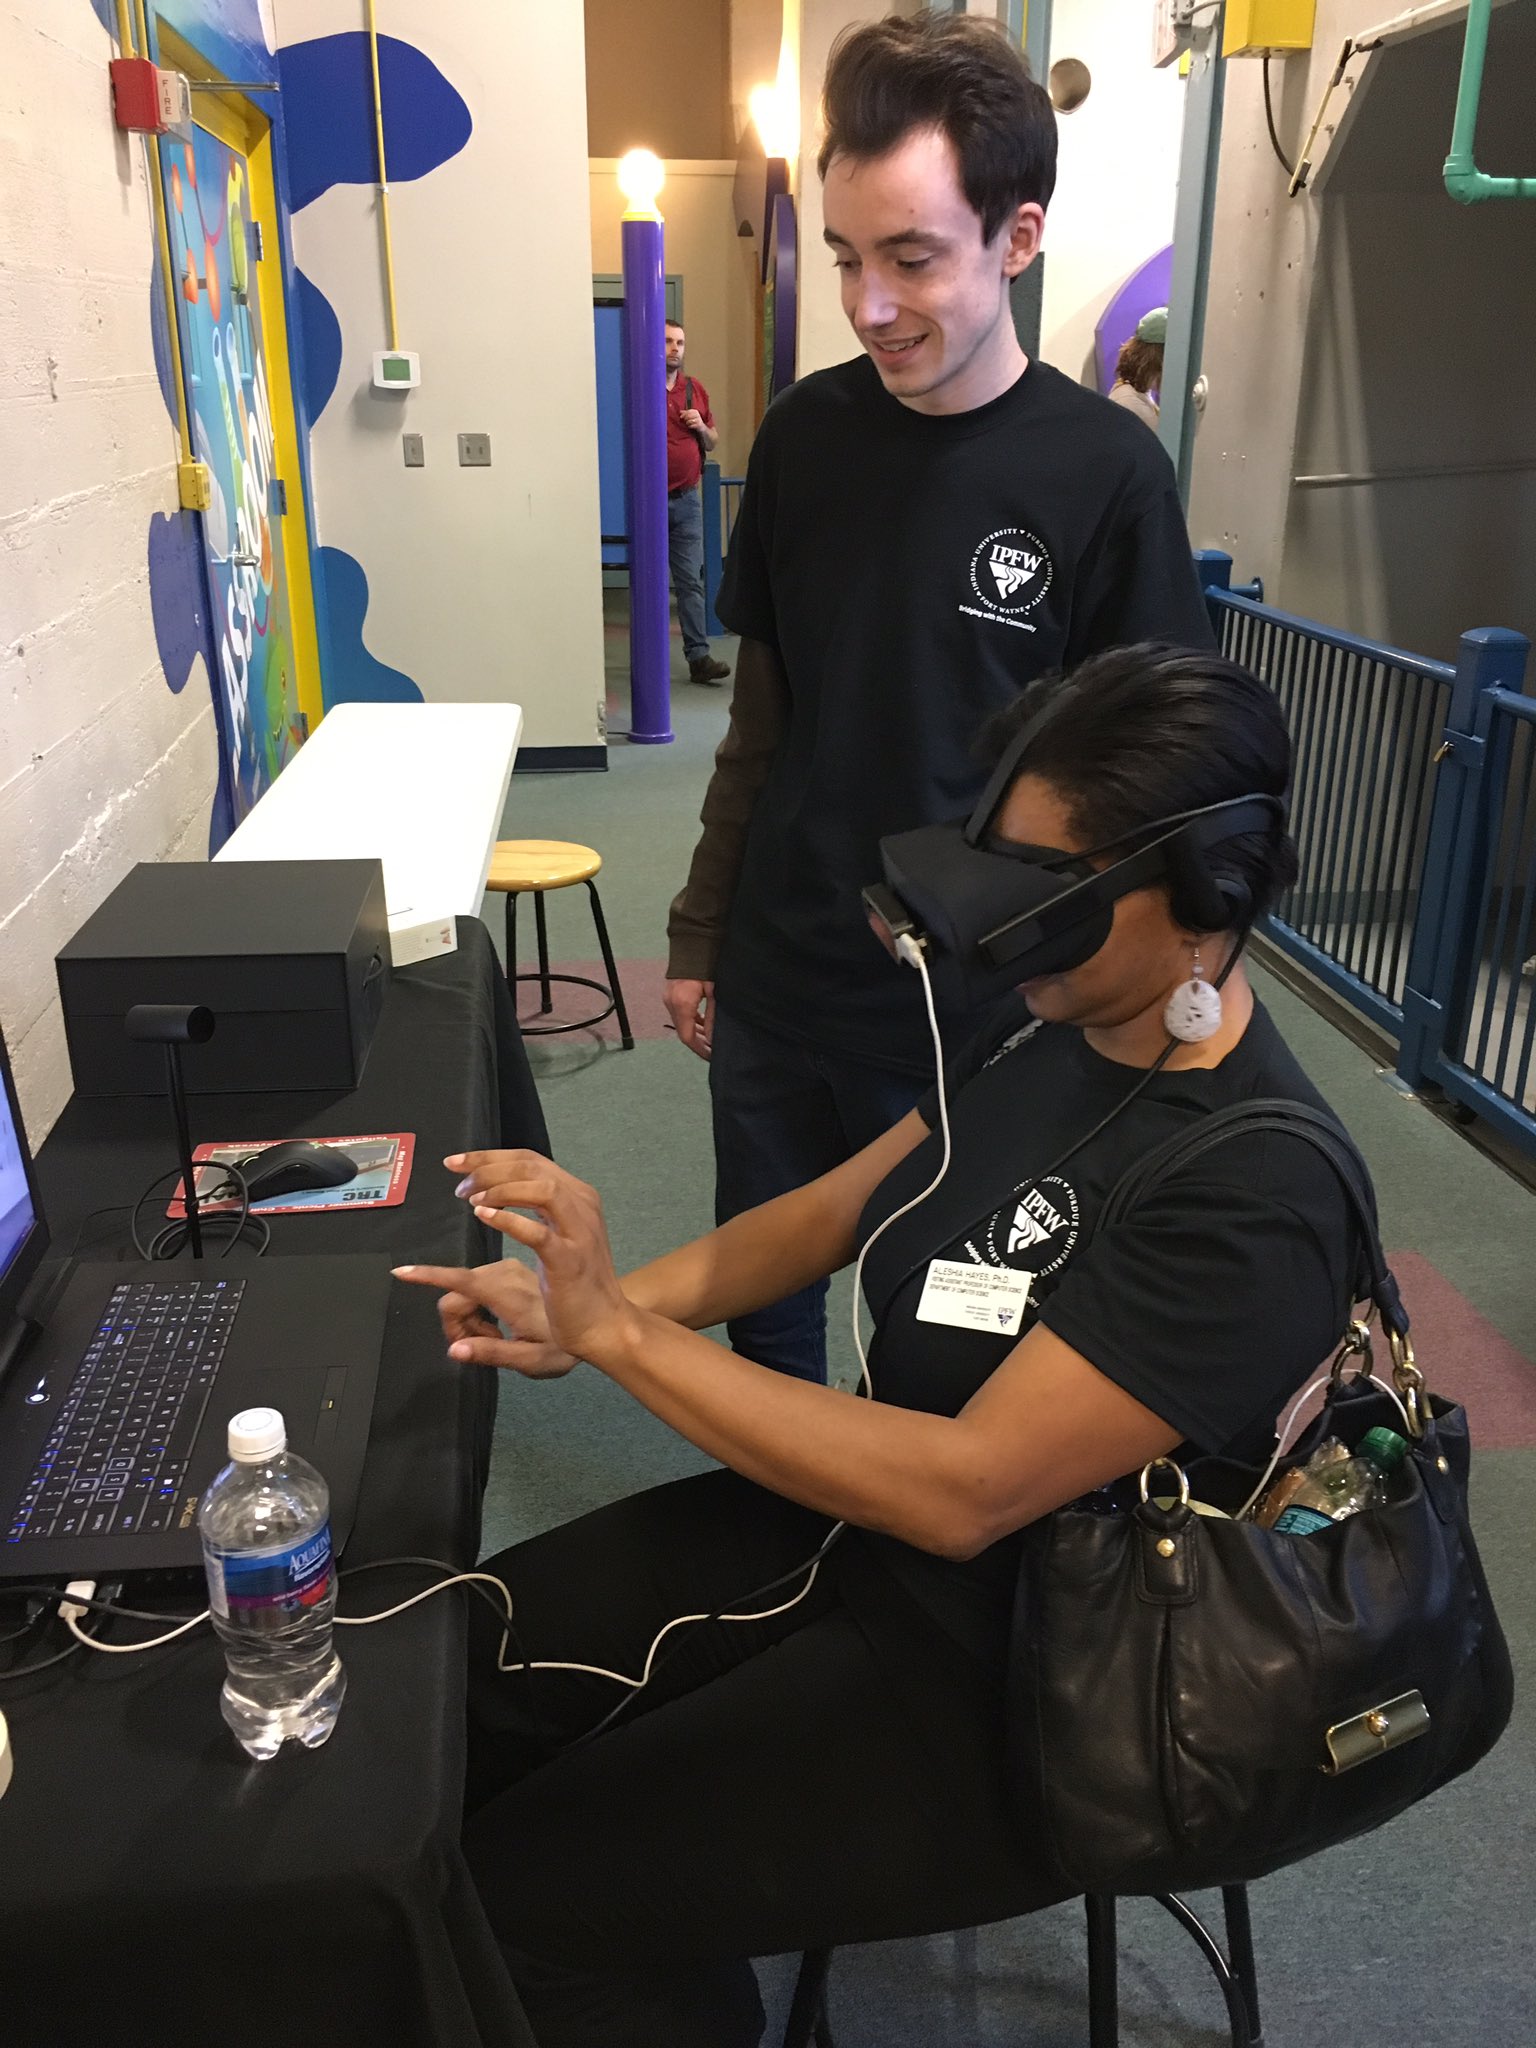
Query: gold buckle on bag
x=1374 y=1732
x=1410 y=1383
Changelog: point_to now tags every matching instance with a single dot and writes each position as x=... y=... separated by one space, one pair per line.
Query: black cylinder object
x=170 y=1023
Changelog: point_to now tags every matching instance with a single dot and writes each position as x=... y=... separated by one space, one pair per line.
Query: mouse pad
x=383 y=1173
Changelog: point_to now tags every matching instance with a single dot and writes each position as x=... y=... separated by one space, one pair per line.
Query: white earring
x=1193 y=1012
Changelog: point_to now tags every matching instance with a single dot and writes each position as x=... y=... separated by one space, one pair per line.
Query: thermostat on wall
x=396 y=369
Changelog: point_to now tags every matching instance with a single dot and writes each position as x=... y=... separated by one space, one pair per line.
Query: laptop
x=114 y=1409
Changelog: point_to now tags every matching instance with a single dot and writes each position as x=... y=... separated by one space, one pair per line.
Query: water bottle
x=1340 y=1487
x=266 y=1533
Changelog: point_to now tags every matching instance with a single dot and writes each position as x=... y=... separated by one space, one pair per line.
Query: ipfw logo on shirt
x=1010 y=573
x=1036 y=1231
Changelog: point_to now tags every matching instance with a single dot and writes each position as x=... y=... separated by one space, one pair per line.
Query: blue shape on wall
x=320 y=364
x=178 y=595
x=352 y=674
x=328 y=113
x=160 y=341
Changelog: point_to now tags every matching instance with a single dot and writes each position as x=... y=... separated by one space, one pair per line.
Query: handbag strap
x=1295 y=1119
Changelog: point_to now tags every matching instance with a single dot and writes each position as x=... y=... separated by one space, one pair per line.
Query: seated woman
x=830 y=1769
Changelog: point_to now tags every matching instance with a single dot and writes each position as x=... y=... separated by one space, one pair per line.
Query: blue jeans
x=685 y=550
x=785 y=1113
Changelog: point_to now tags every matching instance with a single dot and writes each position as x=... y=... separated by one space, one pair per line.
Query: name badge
x=967 y=1297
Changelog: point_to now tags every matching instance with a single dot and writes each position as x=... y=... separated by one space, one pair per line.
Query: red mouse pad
x=383 y=1163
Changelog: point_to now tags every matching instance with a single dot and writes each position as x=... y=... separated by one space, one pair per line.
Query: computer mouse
x=293 y=1165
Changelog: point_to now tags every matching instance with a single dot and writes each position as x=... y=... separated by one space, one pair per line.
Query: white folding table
x=420 y=787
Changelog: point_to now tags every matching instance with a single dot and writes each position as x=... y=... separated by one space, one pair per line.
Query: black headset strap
x=1202 y=829
x=1295 y=1119
x=979 y=823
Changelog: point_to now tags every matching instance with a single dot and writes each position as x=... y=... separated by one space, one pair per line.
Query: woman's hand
x=586 y=1311
x=480 y=1304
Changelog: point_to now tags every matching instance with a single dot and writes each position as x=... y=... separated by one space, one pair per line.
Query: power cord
x=1269 y=117
x=170 y=1237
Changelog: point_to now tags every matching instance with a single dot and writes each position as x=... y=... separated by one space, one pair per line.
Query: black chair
x=1234 y=1971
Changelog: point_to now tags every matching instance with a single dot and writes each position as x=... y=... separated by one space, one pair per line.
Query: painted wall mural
x=255 y=682
x=218 y=585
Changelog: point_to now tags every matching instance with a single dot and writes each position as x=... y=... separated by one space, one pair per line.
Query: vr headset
x=990 y=913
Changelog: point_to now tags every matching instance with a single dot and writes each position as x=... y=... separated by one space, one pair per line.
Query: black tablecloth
x=157 y=1887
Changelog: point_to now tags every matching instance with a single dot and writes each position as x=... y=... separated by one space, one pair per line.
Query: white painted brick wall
x=100 y=765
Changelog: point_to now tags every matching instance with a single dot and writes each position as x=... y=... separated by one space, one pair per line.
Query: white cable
x=128 y=1649
x=588 y=1670
x=638 y=1684
x=912 y=953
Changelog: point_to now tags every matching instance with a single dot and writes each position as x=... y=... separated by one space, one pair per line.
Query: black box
x=291 y=956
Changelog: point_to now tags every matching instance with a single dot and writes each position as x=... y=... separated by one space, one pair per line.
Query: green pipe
x=1463 y=180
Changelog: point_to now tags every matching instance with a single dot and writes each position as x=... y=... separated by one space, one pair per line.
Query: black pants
x=784 y=1114
x=830 y=1775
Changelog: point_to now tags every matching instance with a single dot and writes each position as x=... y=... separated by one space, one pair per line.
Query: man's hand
x=692 y=419
x=691 y=1006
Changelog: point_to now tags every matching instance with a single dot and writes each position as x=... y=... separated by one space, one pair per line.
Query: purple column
x=645 y=435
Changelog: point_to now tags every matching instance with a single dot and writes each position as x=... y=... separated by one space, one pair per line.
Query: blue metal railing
x=1414 y=814
x=722 y=502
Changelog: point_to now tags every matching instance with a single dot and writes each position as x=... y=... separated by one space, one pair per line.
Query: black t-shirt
x=1210 y=1304
x=913 y=573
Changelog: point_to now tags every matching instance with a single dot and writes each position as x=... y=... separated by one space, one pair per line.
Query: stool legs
x=546 y=977
x=610 y=967
x=1235 y=1972
x=807 y=2023
x=547 y=1004
x=1103 y=1972
x=1234 y=1899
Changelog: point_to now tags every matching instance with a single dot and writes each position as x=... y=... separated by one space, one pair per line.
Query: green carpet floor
x=1421 y=1933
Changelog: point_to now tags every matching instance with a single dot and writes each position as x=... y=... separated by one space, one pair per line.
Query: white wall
x=100 y=765
x=1372 y=326
x=1118 y=161
x=484 y=583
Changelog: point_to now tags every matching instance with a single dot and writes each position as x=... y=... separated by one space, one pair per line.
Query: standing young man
x=691 y=436
x=924 y=530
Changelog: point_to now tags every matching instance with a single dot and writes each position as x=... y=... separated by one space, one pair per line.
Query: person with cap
x=1139 y=370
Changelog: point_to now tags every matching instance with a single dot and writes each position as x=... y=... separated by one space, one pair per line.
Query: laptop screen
x=16 y=1212
x=23 y=1236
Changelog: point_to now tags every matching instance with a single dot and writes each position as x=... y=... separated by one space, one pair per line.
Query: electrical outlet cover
x=474 y=451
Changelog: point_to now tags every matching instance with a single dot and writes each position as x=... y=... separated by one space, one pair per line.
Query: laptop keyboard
x=117 y=1454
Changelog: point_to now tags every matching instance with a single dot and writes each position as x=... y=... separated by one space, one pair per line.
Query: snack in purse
x=1343 y=1486
x=1274 y=1504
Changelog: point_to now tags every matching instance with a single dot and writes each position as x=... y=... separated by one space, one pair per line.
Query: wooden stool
x=530 y=867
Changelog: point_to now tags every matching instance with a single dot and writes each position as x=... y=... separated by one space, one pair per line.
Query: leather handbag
x=1195 y=1701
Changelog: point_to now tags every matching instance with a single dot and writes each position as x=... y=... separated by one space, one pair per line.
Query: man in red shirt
x=690 y=437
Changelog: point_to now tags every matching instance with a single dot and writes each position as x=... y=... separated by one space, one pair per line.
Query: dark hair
x=954 y=72
x=675 y=323
x=1140 y=364
x=1139 y=734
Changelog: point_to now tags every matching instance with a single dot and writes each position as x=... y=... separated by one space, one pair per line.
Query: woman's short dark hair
x=1139 y=734
x=955 y=72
